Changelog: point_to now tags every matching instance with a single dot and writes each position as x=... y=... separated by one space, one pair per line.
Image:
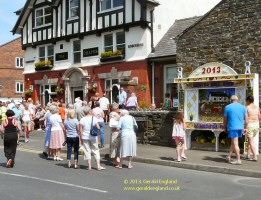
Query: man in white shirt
x=105 y=106
x=122 y=99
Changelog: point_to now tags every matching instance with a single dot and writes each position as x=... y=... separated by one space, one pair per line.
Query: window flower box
x=43 y=65
x=110 y=56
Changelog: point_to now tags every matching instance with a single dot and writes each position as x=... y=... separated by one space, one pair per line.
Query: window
x=170 y=87
x=46 y=53
x=74 y=8
x=19 y=87
x=77 y=51
x=43 y=16
x=120 y=41
x=108 y=4
x=19 y=62
x=112 y=45
x=108 y=42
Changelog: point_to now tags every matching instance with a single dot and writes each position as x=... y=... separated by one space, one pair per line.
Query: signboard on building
x=61 y=56
x=91 y=52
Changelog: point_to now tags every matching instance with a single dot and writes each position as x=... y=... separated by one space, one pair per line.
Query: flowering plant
x=59 y=90
x=28 y=92
x=45 y=63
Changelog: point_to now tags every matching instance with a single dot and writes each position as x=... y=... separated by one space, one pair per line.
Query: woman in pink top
x=252 y=126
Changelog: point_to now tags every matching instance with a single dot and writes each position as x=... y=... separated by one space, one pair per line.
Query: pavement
x=152 y=154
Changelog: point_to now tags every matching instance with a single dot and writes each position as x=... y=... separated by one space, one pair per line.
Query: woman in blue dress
x=128 y=138
x=48 y=126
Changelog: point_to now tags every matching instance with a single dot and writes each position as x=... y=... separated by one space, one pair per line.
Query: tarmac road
x=34 y=177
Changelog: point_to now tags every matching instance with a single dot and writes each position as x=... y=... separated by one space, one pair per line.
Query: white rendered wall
x=170 y=10
x=137 y=35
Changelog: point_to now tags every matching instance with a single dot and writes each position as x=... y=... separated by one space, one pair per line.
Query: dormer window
x=43 y=16
x=74 y=8
x=109 y=4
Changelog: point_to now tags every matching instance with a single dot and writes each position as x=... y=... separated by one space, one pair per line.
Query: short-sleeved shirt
x=98 y=113
x=71 y=126
x=123 y=95
x=86 y=127
x=104 y=102
x=235 y=113
x=55 y=120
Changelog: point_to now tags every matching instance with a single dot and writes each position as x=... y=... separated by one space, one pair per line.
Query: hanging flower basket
x=59 y=90
x=28 y=93
x=92 y=89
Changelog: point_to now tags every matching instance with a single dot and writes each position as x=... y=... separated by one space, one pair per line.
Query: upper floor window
x=108 y=42
x=76 y=51
x=108 y=4
x=120 y=41
x=19 y=62
x=74 y=8
x=19 y=87
x=46 y=53
x=114 y=42
x=43 y=16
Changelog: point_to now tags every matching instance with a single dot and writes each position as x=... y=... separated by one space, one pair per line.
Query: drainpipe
x=151 y=31
x=153 y=83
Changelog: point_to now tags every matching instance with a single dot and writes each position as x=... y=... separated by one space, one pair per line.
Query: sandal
x=75 y=164
x=118 y=166
x=228 y=159
x=101 y=168
x=248 y=157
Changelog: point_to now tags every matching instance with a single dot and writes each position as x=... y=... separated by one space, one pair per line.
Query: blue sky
x=8 y=19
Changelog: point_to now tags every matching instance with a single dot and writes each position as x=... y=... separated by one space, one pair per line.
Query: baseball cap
x=17 y=103
x=234 y=97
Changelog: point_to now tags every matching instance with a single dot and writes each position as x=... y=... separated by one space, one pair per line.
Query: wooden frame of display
x=214 y=77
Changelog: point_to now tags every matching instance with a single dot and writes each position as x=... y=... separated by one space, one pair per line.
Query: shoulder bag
x=135 y=126
x=94 y=130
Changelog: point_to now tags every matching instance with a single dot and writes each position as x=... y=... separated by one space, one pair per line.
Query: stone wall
x=155 y=127
x=230 y=34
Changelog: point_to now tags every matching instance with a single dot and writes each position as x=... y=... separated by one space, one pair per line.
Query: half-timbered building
x=84 y=46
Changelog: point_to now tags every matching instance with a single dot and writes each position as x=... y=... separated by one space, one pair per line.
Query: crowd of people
x=70 y=125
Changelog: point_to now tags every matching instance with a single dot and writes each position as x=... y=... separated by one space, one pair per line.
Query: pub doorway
x=115 y=92
x=77 y=93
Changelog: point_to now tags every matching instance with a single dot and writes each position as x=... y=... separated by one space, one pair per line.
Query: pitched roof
x=153 y=1
x=25 y=12
x=10 y=41
x=167 y=45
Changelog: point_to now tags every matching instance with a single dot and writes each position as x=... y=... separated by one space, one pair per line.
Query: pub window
x=46 y=53
x=77 y=51
x=74 y=8
x=120 y=41
x=108 y=42
x=113 y=42
x=43 y=16
x=19 y=62
x=108 y=4
x=19 y=87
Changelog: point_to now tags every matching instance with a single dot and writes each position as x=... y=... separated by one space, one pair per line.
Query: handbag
x=94 y=130
x=135 y=126
x=113 y=123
